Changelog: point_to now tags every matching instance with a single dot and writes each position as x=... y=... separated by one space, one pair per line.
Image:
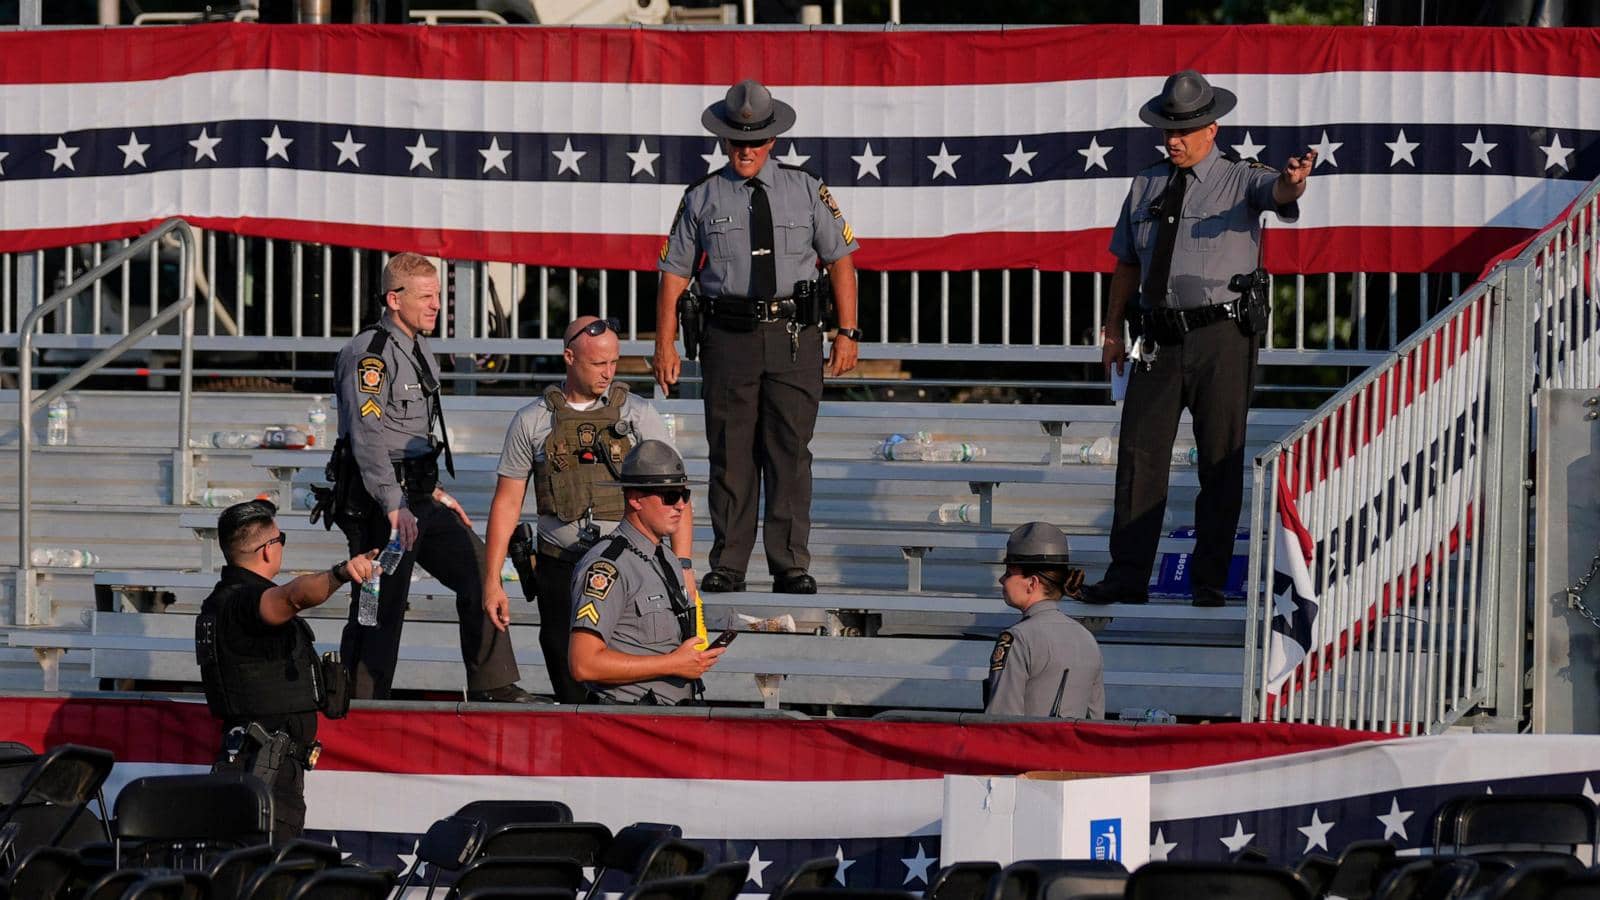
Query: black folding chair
x=1361 y=868
x=170 y=885
x=583 y=842
x=723 y=882
x=185 y=821
x=562 y=875
x=112 y=885
x=809 y=875
x=44 y=872
x=345 y=883
x=495 y=813
x=513 y=893
x=48 y=795
x=851 y=894
x=1532 y=880
x=1057 y=879
x=231 y=871
x=684 y=887
x=1245 y=881
x=275 y=881
x=449 y=844
x=1316 y=870
x=632 y=850
x=1440 y=878
x=1527 y=826
x=326 y=855
x=1578 y=887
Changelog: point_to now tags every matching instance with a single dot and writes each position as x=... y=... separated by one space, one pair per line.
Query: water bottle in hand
x=388 y=561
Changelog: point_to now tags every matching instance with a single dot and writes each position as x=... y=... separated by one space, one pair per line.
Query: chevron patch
x=371 y=408
x=587 y=612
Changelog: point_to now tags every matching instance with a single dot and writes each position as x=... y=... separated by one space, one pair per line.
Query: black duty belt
x=746 y=309
x=1166 y=325
x=556 y=551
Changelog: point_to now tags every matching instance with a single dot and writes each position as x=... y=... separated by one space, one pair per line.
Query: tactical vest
x=583 y=448
x=247 y=689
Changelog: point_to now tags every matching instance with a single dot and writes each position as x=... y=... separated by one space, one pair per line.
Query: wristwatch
x=340 y=571
x=685 y=562
x=853 y=334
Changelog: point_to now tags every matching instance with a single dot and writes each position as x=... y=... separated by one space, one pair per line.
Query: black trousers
x=449 y=551
x=761 y=397
x=288 y=795
x=1210 y=372
x=552 y=581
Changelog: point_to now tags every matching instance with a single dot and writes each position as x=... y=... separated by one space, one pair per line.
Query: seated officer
x=1046 y=664
x=633 y=626
x=261 y=673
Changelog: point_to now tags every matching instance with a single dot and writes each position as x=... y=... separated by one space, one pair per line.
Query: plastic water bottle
x=902 y=446
x=316 y=425
x=1101 y=451
x=217 y=498
x=951 y=451
x=388 y=561
x=62 y=557
x=1185 y=455
x=951 y=513
x=235 y=440
x=671 y=421
x=508 y=572
x=1150 y=714
x=58 y=425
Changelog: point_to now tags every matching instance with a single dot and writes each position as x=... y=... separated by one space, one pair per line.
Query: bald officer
x=1046 y=664
x=763 y=227
x=1188 y=226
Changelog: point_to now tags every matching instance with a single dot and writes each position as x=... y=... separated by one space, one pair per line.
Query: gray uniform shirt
x=382 y=407
x=714 y=217
x=1219 y=234
x=524 y=446
x=1029 y=659
x=628 y=603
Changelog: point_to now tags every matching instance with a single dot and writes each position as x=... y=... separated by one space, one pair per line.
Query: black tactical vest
x=239 y=688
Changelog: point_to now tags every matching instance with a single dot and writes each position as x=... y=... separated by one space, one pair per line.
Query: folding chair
x=512 y=893
x=1361 y=868
x=1526 y=826
x=684 y=887
x=1578 y=887
x=1316 y=870
x=851 y=894
x=723 y=882
x=112 y=885
x=169 y=885
x=44 y=872
x=51 y=793
x=449 y=844
x=1440 y=878
x=495 y=813
x=580 y=841
x=326 y=855
x=275 y=881
x=670 y=857
x=811 y=874
x=1244 y=881
x=232 y=870
x=15 y=750
x=180 y=819
x=562 y=875
x=1532 y=880
x=1057 y=879
x=345 y=883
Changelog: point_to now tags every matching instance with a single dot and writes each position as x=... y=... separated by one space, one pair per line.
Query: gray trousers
x=761 y=408
x=1212 y=373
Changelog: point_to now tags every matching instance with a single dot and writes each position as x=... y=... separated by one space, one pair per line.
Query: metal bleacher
x=905 y=616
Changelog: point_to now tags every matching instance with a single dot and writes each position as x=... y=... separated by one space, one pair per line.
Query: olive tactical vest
x=583 y=448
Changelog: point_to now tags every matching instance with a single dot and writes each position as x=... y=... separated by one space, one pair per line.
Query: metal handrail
x=28 y=404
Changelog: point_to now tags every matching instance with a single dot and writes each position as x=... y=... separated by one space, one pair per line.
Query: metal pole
x=1149 y=12
x=838 y=12
x=110 y=12
x=31 y=13
x=315 y=12
x=894 y=11
x=749 y=12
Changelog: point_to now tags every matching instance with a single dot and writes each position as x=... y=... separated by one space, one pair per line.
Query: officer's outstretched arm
x=281 y=603
x=594 y=662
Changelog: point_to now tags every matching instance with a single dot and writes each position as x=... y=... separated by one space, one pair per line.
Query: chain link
x=1575 y=593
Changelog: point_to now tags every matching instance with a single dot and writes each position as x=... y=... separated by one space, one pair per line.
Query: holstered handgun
x=345 y=497
x=272 y=748
x=691 y=323
x=521 y=549
x=1254 y=306
x=335 y=685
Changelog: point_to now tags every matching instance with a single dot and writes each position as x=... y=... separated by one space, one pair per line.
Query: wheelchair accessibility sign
x=1105 y=839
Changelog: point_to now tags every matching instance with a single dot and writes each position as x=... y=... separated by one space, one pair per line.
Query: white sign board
x=1045 y=815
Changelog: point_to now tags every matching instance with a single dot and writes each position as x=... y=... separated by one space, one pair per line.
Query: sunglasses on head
x=746 y=145
x=671 y=497
x=595 y=329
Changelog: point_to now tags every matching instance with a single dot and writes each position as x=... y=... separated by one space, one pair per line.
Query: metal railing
x=26 y=611
x=1411 y=488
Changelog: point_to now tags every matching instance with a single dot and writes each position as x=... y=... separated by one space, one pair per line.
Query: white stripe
x=834 y=111
x=346 y=198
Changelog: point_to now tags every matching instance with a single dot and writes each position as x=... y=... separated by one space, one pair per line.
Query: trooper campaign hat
x=1037 y=544
x=748 y=113
x=652 y=464
x=1186 y=101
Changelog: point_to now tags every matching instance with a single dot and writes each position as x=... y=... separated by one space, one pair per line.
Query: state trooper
x=1188 y=231
x=634 y=634
x=1046 y=664
x=571 y=439
x=386 y=481
x=258 y=665
x=762 y=226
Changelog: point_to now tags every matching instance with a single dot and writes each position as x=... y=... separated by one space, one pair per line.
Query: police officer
x=568 y=441
x=763 y=226
x=1046 y=664
x=260 y=671
x=1189 y=225
x=387 y=469
x=633 y=627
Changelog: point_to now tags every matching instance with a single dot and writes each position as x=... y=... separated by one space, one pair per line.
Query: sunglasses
x=673 y=497
x=746 y=145
x=595 y=329
x=282 y=538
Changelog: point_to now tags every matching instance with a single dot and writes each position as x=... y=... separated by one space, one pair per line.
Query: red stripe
x=639 y=746
x=715 y=57
x=1308 y=250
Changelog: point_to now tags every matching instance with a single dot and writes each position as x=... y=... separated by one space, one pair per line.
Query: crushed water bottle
x=388 y=561
x=316 y=424
x=63 y=557
x=218 y=498
x=1185 y=455
x=58 y=423
x=1149 y=714
x=235 y=440
x=951 y=451
x=902 y=446
x=1101 y=451
x=951 y=513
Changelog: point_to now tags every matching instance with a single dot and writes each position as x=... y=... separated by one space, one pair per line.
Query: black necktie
x=435 y=407
x=681 y=606
x=1171 y=203
x=763 y=266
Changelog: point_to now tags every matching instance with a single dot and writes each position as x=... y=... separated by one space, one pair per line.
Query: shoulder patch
x=369 y=374
x=1258 y=164
x=829 y=202
x=598 y=580
x=1002 y=646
